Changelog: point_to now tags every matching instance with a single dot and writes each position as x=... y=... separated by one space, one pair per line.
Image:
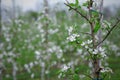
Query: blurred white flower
x=86 y=46
x=82 y=76
x=95 y=51
x=47 y=72
x=89 y=41
x=65 y=68
x=7 y=75
x=37 y=53
x=32 y=75
x=26 y=66
x=60 y=75
x=42 y=64
x=31 y=64
x=51 y=31
x=36 y=63
x=59 y=55
x=101 y=49
x=83 y=44
x=70 y=30
x=86 y=43
x=103 y=54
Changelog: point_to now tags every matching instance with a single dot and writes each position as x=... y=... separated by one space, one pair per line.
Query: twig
x=85 y=33
x=118 y=21
x=88 y=76
x=75 y=9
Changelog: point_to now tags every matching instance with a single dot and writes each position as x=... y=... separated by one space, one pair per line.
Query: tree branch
x=85 y=33
x=118 y=21
x=75 y=9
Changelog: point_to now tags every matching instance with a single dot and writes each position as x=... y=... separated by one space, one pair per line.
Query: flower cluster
x=64 y=68
x=98 y=51
x=86 y=44
x=72 y=36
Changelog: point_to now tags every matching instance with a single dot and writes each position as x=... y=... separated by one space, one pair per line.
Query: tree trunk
x=46 y=22
x=97 y=62
x=14 y=72
x=45 y=25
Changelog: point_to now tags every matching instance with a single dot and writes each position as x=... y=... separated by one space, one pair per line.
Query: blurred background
x=33 y=43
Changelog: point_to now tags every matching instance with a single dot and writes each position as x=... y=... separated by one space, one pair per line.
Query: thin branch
x=85 y=33
x=75 y=9
x=88 y=76
x=118 y=21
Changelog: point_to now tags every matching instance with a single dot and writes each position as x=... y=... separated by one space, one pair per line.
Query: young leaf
x=77 y=3
x=97 y=27
x=72 y=4
x=85 y=4
x=94 y=12
x=77 y=70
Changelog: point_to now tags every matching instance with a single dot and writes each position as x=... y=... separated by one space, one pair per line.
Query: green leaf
x=97 y=27
x=94 y=12
x=75 y=77
x=72 y=4
x=77 y=3
x=77 y=70
x=85 y=4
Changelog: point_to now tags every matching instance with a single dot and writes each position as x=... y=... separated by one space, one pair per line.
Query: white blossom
x=65 y=68
x=36 y=63
x=101 y=49
x=89 y=41
x=103 y=54
x=43 y=64
x=86 y=43
x=51 y=31
x=37 y=53
x=83 y=44
x=86 y=46
x=70 y=30
x=60 y=75
x=31 y=64
x=26 y=66
x=90 y=50
x=47 y=72
x=32 y=75
x=72 y=37
x=94 y=52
